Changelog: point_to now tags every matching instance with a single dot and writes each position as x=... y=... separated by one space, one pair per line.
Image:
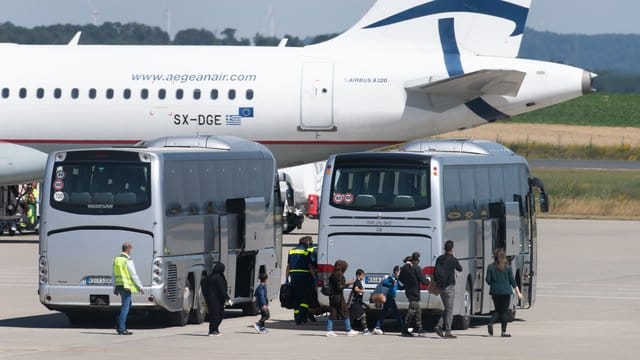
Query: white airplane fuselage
x=408 y=69
x=306 y=104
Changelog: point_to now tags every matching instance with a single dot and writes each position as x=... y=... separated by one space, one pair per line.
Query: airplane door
x=316 y=105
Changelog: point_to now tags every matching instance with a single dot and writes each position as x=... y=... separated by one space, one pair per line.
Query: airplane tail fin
x=482 y=27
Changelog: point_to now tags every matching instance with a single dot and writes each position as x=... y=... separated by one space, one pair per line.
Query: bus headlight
x=43 y=270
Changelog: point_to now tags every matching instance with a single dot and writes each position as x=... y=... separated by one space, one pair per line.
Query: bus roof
x=449 y=151
x=191 y=146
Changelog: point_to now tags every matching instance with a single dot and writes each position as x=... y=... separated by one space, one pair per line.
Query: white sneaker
x=352 y=333
x=366 y=333
x=331 y=333
x=257 y=327
x=378 y=331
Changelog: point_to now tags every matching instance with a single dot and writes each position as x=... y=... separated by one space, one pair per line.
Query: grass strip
x=592 y=193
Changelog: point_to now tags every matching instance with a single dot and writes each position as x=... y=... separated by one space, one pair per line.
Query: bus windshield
x=381 y=187
x=100 y=188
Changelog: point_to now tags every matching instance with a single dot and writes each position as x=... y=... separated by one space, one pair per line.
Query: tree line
x=112 y=33
x=615 y=57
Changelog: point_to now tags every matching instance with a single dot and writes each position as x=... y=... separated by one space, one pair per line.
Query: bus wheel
x=199 y=313
x=181 y=317
x=462 y=322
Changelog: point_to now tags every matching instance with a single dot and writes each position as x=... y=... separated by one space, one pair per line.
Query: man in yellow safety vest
x=125 y=283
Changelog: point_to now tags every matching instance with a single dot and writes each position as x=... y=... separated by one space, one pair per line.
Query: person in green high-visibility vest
x=125 y=283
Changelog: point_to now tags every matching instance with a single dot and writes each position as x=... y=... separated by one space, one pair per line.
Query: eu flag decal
x=243 y=112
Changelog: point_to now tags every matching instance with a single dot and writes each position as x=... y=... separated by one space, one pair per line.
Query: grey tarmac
x=588 y=307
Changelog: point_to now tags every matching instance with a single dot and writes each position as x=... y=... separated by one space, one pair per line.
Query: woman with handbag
x=501 y=281
x=390 y=307
x=338 y=307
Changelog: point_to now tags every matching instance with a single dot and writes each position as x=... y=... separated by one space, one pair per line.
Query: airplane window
x=162 y=93
x=40 y=93
x=179 y=94
x=249 y=94
x=214 y=94
x=23 y=93
x=144 y=93
x=196 y=94
x=126 y=93
x=5 y=93
x=92 y=93
x=57 y=93
x=75 y=93
x=109 y=93
x=232 y=94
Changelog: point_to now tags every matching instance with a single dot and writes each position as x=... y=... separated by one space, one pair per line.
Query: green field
x=592 y=193
x=589 y=193
x=616 y=110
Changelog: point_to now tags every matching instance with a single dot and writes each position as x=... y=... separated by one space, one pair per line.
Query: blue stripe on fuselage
x=498 y=8
x=454 y=68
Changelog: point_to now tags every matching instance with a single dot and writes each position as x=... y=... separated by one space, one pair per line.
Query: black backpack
x=286 y=298
x=439 y=273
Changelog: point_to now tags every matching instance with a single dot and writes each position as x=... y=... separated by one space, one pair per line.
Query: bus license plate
x=374 y=278
x=99 y=280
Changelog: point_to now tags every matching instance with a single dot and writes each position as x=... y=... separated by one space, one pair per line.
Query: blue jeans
x=125 y=296
x=347 y=325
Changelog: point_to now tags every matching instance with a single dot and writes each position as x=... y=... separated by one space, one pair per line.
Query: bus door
x=487 y=242
x=530 y=261
x=228 y=249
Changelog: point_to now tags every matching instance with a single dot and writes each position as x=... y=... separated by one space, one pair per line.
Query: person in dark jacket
x=411 y=276
x=215 y=293
x=501 y=282
x=445 y=277
x=300 y=274
x=338 y=307
x=357 y=307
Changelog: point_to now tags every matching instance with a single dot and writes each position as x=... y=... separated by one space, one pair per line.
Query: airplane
x=407 y=69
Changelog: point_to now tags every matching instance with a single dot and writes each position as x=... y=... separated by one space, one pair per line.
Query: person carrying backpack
x=357 y=308
x=445 y=277
x=390 y=307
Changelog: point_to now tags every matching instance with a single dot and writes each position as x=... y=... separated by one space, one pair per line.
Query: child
x=357 y=307
x=262 y=303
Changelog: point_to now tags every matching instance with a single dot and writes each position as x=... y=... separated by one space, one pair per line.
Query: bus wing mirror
x=544 y=202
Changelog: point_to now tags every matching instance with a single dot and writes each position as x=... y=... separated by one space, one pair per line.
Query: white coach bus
x=183 y=203
x=378 y=207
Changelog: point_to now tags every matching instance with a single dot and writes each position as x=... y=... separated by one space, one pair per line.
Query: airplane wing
x=442 y=95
